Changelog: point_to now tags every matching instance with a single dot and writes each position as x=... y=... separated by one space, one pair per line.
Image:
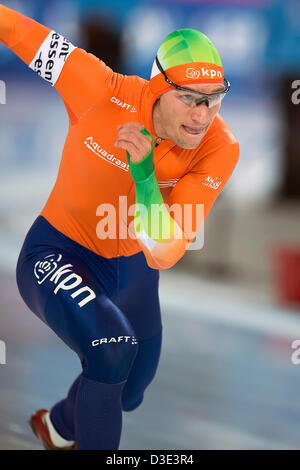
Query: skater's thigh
x=63 y=292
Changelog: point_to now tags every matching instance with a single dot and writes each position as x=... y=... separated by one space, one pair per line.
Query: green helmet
x=185 y=46
x=187 y=56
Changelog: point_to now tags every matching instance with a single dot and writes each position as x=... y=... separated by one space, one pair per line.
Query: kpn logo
x=192 y=73
x=2 y=92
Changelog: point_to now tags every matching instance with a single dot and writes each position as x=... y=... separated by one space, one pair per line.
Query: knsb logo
x=48 y=269
x=212 y=182
x=119 y=339
x=192 y=73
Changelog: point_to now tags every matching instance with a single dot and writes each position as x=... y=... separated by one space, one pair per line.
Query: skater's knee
x=129 y=403
x=109 y=360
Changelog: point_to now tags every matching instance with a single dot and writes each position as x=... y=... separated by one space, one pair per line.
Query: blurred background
x=230 y=311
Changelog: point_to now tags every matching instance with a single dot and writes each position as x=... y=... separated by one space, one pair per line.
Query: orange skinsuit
x=92 y=171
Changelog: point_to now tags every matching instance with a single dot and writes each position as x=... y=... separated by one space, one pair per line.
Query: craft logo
x=128 y=107
x=118 y=339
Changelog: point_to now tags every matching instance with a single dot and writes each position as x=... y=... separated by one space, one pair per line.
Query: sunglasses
x=189 y=97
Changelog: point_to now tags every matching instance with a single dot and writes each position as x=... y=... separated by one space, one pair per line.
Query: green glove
x=140 y=171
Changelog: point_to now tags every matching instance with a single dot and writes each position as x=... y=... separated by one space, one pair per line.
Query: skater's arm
x=163 y=238
x=160 y=237
x=80 y=78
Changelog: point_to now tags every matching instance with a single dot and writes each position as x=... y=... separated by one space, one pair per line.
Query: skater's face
x=177 y=117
